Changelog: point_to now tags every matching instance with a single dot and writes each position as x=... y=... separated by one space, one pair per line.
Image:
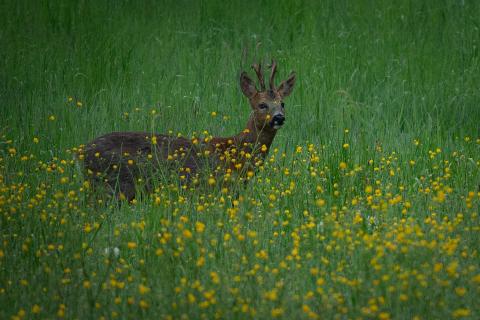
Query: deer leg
x=122 y=186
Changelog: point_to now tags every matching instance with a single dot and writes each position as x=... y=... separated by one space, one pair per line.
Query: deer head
x=268 y=108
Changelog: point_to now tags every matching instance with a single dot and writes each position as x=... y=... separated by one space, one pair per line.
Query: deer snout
x=278 y=120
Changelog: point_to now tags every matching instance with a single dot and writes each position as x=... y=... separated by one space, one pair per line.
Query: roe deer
x=116 y=159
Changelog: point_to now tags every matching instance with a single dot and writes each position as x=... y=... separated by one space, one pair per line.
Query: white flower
x=114 y=250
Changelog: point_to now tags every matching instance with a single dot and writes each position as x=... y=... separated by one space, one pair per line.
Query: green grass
x=403 y=78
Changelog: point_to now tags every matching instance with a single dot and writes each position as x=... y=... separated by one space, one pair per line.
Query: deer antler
x=272 y=75
x=258 y=71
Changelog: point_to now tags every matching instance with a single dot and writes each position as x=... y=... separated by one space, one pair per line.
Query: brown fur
x=118 y=159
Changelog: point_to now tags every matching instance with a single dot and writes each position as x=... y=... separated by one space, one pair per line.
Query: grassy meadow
x=367 y=206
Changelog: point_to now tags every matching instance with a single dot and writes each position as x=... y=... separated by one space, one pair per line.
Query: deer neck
x=251 y=140
x=255 y=135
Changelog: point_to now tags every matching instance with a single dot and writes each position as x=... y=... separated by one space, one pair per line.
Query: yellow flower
x=475 y=279
x=131 y=245
x=460 y=291
x=440 y=196
x=357 y=218
x=437 y=267
x=320 y=202
x=61 y=311
x=271 y=295
x=342 y=165
x=143 y=289
x=462 y=312
x=384 y=316
x=262 y=254
x=87 y=228
x=200 y=261
x=35 y=140
x=199 y=227
x=143 y=304
x=276 y=312
x=187 y=234
x=215 y=278
x=36 y=309
x=452 y=268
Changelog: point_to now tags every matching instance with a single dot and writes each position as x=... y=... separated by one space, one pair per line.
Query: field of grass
x=366 y=208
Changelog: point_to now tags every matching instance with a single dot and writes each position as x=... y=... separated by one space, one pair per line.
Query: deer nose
x=278 y=119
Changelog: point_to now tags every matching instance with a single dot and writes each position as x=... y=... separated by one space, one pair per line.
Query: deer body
x=121 y=159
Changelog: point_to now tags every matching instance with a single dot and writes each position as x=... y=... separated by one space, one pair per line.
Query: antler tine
x=258 y=71
x=272 y=75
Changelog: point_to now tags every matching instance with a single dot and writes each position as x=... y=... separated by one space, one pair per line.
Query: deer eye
x=263 y=106
x=283 y=105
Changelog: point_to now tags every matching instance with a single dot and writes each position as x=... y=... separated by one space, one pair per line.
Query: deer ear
x=247 y=85
x=286 y=87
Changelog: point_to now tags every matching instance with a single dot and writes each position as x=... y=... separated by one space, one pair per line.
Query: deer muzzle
x=277 y=121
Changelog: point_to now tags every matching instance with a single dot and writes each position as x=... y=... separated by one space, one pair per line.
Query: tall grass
x=369 y=207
